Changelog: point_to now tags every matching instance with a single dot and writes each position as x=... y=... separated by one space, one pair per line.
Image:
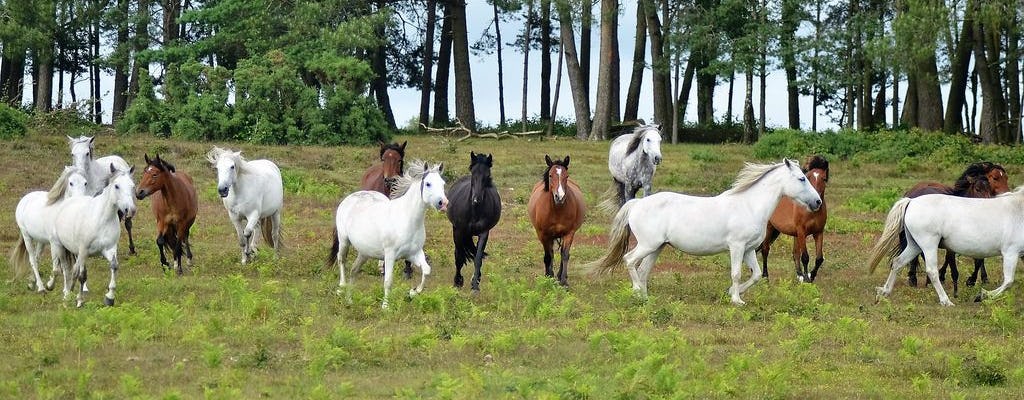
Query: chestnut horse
x=175 y=205
x=556 y=210
x=379 y=177
x=796 y=220
x=979 y=180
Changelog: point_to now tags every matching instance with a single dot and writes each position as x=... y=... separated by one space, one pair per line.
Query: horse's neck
x=761 y=199
x=105 y=204
x=411 y=202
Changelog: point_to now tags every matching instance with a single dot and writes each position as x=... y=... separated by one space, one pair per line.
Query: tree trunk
x=120 y=64
x=380 y=69
x=636 y=79
x=558 y=87
x=728 y=104
x=12 y=75
x=909 y=117
x=953 y=121
x=1013 y=78
x=748 y=106
x=526 y=63
x=586 y=24
x=684 y=91
x=501 y=72
x=463 y=77
x=172 y=11
x=929 y=96
x=992 y=102
x=95 y=65
x=139 y=44
x=444 y=62
x=878 y=115
x=580 y=100
x=44 y=87
x=895 y=99
x=545 y=59
x=616 y=69
x=790 y=15
x=602 y=108
x=660 y=70
x=428 y=62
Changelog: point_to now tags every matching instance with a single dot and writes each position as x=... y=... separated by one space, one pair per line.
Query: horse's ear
x=490 y=160
x=547 y=159
x=112 y=169
x=472 y=158
x=786 y=161
x=130 y=170
x=70 y=139
x=145 y=156
x=403 y=146
x=440 y=168
x=565 y=163
x=91 y=139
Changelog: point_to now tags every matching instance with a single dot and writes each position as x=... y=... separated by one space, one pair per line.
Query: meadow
x=277 y=329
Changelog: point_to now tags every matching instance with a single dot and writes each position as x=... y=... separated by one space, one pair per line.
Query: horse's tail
x=611 y=199
x=271 y=228
x=332 y=258
x=19 y=258
x=466 y=248
x=618 y=240
x=889 y=243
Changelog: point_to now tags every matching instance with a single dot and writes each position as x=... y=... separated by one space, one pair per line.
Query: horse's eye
x=428 y=184
x=802 y=179
x=232 y=167
x=117 y=187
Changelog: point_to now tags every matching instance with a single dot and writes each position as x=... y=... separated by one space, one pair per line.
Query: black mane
x=975 y=178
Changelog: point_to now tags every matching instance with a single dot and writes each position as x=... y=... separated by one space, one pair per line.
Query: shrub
x=13 y=122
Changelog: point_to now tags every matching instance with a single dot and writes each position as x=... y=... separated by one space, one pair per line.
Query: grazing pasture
x=275 y=327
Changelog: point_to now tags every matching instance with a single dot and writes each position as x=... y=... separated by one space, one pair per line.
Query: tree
x=791 y=14
x=463 y=77
x=120 y=59
x=545 y=58
x=602 y=110
x=444 y=61
x=636 y=78
x=580 y=100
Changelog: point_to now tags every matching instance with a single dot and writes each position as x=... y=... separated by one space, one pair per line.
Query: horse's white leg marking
x=931 y=268
x=1009 y=267
x=750 y=257
x=646 y=265
x=251 y=222
x=111 y=256
x=633 y=259
x=79 y=270
x=420 y=260
x=389 y=266
x=57 y=253
x=236 y=220
x=736 y=254
x=34 y=249
x=354 y=268
x=342 y=253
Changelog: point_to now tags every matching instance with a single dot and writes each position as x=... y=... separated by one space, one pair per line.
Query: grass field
x=276 y=329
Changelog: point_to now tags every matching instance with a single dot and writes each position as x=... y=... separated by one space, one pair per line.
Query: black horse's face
x=480 y=175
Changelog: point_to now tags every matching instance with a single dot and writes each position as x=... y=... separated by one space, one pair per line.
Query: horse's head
x=648 y=140
x=796 y=186
x=227 y=163
x=124 y=190
x=77 y=183
x=480 y=175
x=154 y=177
x=556 y=178
x=998 y=181
x=392 y=156
x=432 y=188
x=816 y=170
x=81 y=150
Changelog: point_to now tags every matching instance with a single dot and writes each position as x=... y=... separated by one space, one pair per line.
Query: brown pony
x=979 y=180
x=796 y=220
x=378 y=177
x=175 y=205
x=556 y=210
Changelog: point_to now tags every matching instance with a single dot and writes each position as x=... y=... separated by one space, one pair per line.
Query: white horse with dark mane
x=87 y=225
x=35 y=216
x=974 y=227
x=734 y=221
x=97 y=171
x=253 y=194
x=632 y=160
x=389 y=229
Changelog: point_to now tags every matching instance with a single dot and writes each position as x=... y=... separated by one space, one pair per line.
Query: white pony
x=632 y=160
x=253 y=193
x=88 y=225
x=97 y=171
x=36 y=216
x=973 y=227
x=734 y=221
x=389 y=229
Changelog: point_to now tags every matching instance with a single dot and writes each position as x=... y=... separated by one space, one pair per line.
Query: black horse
x=473 y=208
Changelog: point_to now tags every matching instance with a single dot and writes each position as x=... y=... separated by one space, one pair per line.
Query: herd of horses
x=81 y=216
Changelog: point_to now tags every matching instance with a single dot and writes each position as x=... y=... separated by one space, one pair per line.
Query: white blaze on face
x=816 y=174
x=560 y=193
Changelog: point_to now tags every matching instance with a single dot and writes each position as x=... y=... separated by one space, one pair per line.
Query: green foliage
x=878 y=200
x=12 y=122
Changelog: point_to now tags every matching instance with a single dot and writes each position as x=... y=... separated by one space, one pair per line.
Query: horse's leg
x=563 y=269
x=177 y=247
x=931 y=267
x=420 y=259
x=81 y=274
x=912 y=270
x=632 y=192
x=460 y=256
x=633 y=259
x=819 y=254
x=549 y=254
x=111 y=256
x=646 y=266
x=187 y=246
x=243 y=241
x=979 y=265
x=340 y=260
x=161 y=242
x=736 y=255
x=478 y=261
x=389 y=266
x=954 y=272
x=38 y=252
x=984 y=273
x=1009 y=267
x=275 y=232
x=251 y=222
x=131 y=240
x=34 y=249
x=750 y=257
x=799 y=253
x=766 y=246
x=59 y=255
x=909 y=253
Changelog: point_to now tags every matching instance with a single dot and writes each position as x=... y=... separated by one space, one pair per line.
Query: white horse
x=632 y=160
x=734 y=221
x=97 y=171
x=35 y=216
x=87 y=225
x=389 y=229
x=977 y=228
x=253 y=193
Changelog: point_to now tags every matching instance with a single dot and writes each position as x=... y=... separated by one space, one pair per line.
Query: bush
x=13 y=122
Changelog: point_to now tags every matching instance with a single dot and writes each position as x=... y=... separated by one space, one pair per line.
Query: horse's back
x=271 y=184
x=373 y=179
x=33 y=215
x=923 y=188
x=119 y=163
x=970 y=226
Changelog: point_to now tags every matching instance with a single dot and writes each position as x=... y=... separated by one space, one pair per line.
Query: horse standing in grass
x=380 y=176
x=797 y=221
x=733 y=221
x=388 y=229
x=253 y=193
x=979 y=180
x=557 y=210
x=87 y=225
x=175 y=204
x=35 y=216
x=474 y=208
x=632 y=160
x=97 y=171
x=977 y=228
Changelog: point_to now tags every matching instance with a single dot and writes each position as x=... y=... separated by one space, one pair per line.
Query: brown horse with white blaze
x=379 y=176
x=797 y=221
x=175 y=205
x=557 y=210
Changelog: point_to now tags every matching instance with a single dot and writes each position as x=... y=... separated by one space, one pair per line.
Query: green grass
x=276 y=329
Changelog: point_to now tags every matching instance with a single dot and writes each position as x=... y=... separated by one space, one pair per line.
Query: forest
x=319 y=72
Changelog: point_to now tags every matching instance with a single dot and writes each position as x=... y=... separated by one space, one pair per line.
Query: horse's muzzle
x=657 y=160
x=223 y=192
x=814 y=205
x=142 y=194
x=442 y=205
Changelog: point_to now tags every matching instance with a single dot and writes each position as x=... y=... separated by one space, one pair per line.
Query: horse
x=474 y=208
x=35 y=218
x=795 y=220
x=87 y=225
x=380 y=175
x=979 y=180
x=632 y=160
x=977 y=228
x=556 y=210
x=98 y=173
x=253 y=193
x=733 y=221
x=175 y=205
x=388 y=229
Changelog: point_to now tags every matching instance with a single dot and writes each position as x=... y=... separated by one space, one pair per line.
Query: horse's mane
x=216 y=153
x=60 y=188
x=1015 y=192
x=971 y=176
x=751 y=174
x=638 y=135
x=817 y=162
x=414 y=173
x=547 y=171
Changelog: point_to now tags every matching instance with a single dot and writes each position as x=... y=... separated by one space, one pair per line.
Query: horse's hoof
x=738 y=302
x=108 y=301
x=880 y=293
x=458 y=281
x=979 y=297
x=476 y=291
x=946 y=303
x=413 y=293
x=969 y=283
x=79 y=304
x=49 y=286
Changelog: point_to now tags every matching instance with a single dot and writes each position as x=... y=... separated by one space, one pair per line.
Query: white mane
x=415 y=172
x=216 y=153
x=752 y=173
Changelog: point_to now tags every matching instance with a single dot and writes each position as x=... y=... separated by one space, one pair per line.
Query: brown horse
x=378 y=177
x=175 y=205
x=979 y=180
x=556 y=210
x=796 y=220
